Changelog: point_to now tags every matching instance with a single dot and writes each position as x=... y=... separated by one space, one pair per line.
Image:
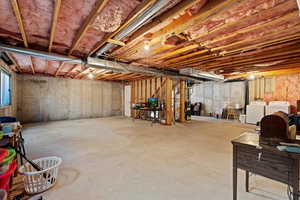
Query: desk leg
x=296 y=180
x=247 y=181
x=234 y=183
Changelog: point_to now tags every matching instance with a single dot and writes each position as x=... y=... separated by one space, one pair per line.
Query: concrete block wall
x=41 y=99
x=214 y=95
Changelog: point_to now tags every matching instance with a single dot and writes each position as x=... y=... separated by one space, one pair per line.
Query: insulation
x=262 y=18
x=37 y=17
x=75 y=70
x=52 y=67
x=71 y=17
x=65 y=69
x=9 y=26
x=23 y=61
x=40 y=65
x=244 y=9
x=94 y=35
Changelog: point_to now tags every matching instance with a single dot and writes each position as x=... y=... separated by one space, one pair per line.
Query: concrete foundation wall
x=215 y=96
x=47 y=98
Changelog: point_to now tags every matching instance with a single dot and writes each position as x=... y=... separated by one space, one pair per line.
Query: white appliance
x=275 y=106
x=255 y=111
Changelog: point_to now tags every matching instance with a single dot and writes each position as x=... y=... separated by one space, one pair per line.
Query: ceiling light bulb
x=251 y=77
x=147 y=45
x=90 y=75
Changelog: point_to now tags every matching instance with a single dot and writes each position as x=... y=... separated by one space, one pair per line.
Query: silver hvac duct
x=148 y=14
x=96 y=63
x=40 y=54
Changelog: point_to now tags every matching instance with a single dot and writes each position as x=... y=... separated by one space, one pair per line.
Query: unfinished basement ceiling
x=226 y=37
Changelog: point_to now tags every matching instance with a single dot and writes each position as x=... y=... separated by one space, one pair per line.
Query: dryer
x=255 y=111
x=275 y=106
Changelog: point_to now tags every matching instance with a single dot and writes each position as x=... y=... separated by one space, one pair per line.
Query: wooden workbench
x=251 y=155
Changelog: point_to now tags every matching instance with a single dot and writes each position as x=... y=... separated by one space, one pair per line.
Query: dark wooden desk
x=264 y=160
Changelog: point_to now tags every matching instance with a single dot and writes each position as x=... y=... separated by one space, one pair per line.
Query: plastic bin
x=10 y=157
x=4 y=165
x=5 y=177
x=3 y=154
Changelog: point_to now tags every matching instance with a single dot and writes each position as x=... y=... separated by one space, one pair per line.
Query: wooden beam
x=134 y=77
x=168 y=106
x=129 y=77
x=54 y=22
x=182 y=101
x=66 y=74
x=32 y=65
x=253 y=60
x=178 y=51
x=144 y=6
x=59 y=68
x=133 y=98
x=117 y=42
x=14 y=61
x=159 y=85
x=174 y=60
x=203 y=59
x=249 y=29
x=144 y=90
x=193 y=60
x=153 y=85
x=159 y=22
x=185 y=21
x=125 y=76
x=243 y=20
x=101 y=4
x=278 y=40
x=268 y=73
x=18 y=15
x=113 y=76
x=148 y=89
x=101 y=76
x=83 y=72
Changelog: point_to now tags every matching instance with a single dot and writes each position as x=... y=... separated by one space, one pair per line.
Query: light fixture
x=90 y=75
x=147 y=45
x=251 y=77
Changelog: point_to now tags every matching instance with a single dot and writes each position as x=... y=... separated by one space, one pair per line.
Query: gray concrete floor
x=118 y=159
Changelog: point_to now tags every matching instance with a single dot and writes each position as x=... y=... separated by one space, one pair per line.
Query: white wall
x=46 y=98
x=214 y=95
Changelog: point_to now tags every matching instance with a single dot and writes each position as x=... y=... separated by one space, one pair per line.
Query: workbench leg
x=234 y=175
x=247 y=181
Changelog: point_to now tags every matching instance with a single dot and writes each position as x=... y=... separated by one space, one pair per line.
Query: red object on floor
x=5 y=178
x=3 y=154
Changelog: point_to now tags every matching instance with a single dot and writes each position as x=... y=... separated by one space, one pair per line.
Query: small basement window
x=5 y=95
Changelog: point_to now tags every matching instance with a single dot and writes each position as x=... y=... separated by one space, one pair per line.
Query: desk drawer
x=270 y=165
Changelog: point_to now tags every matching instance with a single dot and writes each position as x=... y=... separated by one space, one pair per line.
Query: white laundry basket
x=39 y=181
